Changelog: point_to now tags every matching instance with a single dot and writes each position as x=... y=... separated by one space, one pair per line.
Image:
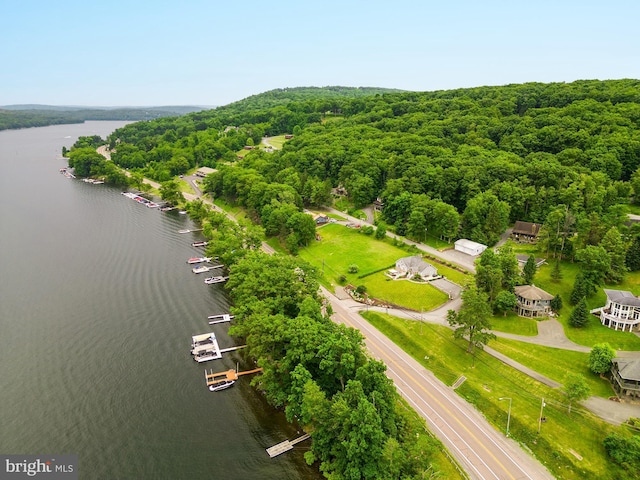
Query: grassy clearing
x=554 y=363
x=419 y=297
x=490 y=380
x=512 y=323
x=341 y=247
x=236 y=211
x=275 y=142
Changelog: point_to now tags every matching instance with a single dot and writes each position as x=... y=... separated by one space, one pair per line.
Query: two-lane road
x=483 y=452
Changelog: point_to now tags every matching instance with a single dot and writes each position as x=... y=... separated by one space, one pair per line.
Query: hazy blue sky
x=213 y=52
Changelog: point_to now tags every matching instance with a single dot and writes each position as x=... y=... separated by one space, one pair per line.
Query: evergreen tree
x=556 y=303
x=579 y=289
x=580 y=315
x=529 y=270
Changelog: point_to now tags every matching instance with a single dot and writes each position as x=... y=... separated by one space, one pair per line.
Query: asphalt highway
x=483 y=452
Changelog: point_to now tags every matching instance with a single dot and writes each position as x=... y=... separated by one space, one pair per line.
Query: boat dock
x=224 y=318
x=286 y=445
x=219 y=377
x=231 y=349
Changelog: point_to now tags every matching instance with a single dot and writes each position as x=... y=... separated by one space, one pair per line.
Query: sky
x=214 y=52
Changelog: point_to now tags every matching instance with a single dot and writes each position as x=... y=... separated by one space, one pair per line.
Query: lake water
x=97 y=309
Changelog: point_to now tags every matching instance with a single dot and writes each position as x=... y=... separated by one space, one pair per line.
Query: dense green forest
x=24 y=117
x=461 y=163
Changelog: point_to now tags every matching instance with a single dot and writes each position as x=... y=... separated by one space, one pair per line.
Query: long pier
x=285 y=446
x=224 y=318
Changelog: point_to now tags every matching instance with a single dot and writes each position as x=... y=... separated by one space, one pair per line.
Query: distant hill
x=25 y=116
x=283 y=96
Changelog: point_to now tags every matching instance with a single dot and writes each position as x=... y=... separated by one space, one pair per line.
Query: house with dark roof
x=622 y=311
x=533 y=302
x=625 y=376
x=525 y=232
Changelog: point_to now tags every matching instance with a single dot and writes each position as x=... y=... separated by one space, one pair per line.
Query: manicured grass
x=341 y=247
x=554 y=363
x=274 y=242
x=416 y=296
x=490 y=380
x=512 y=323
x=336 y=217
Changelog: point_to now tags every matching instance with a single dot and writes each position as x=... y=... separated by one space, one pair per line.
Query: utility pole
x=509 y=414
x=542 y=405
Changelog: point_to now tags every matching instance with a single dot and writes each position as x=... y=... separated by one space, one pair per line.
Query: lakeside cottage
x=622 y=311
x=522 y=261
x=533 y=302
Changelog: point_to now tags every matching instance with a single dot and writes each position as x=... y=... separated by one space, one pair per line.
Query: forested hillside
x=21 y=116
x=461 y=163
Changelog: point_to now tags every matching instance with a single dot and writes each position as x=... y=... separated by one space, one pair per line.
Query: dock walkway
x=285 y=446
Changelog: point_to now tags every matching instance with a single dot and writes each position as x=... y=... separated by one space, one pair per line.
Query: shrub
x=353 y=268
x=361 y=289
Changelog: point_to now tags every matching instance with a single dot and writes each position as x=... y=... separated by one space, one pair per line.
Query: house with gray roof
x=625 y=376
x=622 y=311
x=409 y=267
x=533 y=302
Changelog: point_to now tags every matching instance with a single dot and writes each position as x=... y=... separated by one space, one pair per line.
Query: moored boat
x=200 y=269
x=193 y=260
x=224 y=384
x=200 y=244
x=212 y=280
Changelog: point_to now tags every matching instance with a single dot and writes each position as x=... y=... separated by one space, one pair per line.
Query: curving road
x=483 y=452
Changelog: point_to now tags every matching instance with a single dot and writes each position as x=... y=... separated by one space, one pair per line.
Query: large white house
x=622 y=311
x=409 y=267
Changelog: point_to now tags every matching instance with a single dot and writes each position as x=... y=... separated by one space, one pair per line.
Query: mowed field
x=339 y=247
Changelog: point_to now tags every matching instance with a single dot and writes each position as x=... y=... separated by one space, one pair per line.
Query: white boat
x=206 y=355
x=182 y=212
x=193 y=260
x=224 y=384
x=212 y=280
x=200 y=244
x=200 y=269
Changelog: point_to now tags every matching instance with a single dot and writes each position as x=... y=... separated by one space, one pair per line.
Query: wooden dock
x=285 y=446
x=218 y=377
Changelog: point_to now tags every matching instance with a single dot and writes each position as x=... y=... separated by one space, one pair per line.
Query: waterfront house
x=522 y=261
x=533 y=302
x=625 y=376
x=622 y=311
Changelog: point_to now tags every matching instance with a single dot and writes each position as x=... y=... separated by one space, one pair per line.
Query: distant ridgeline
x=24 y=116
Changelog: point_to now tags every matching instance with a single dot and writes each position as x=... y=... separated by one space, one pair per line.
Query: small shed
x=469 y=247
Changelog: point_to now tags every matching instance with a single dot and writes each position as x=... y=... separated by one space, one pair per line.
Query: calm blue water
x=97 y=309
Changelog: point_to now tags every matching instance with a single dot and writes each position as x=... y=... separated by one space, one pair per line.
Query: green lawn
x=434 y=347
x=275 y=142
x=554 y=363
x=236 y=211
x=512 y=323
x=341 y=247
